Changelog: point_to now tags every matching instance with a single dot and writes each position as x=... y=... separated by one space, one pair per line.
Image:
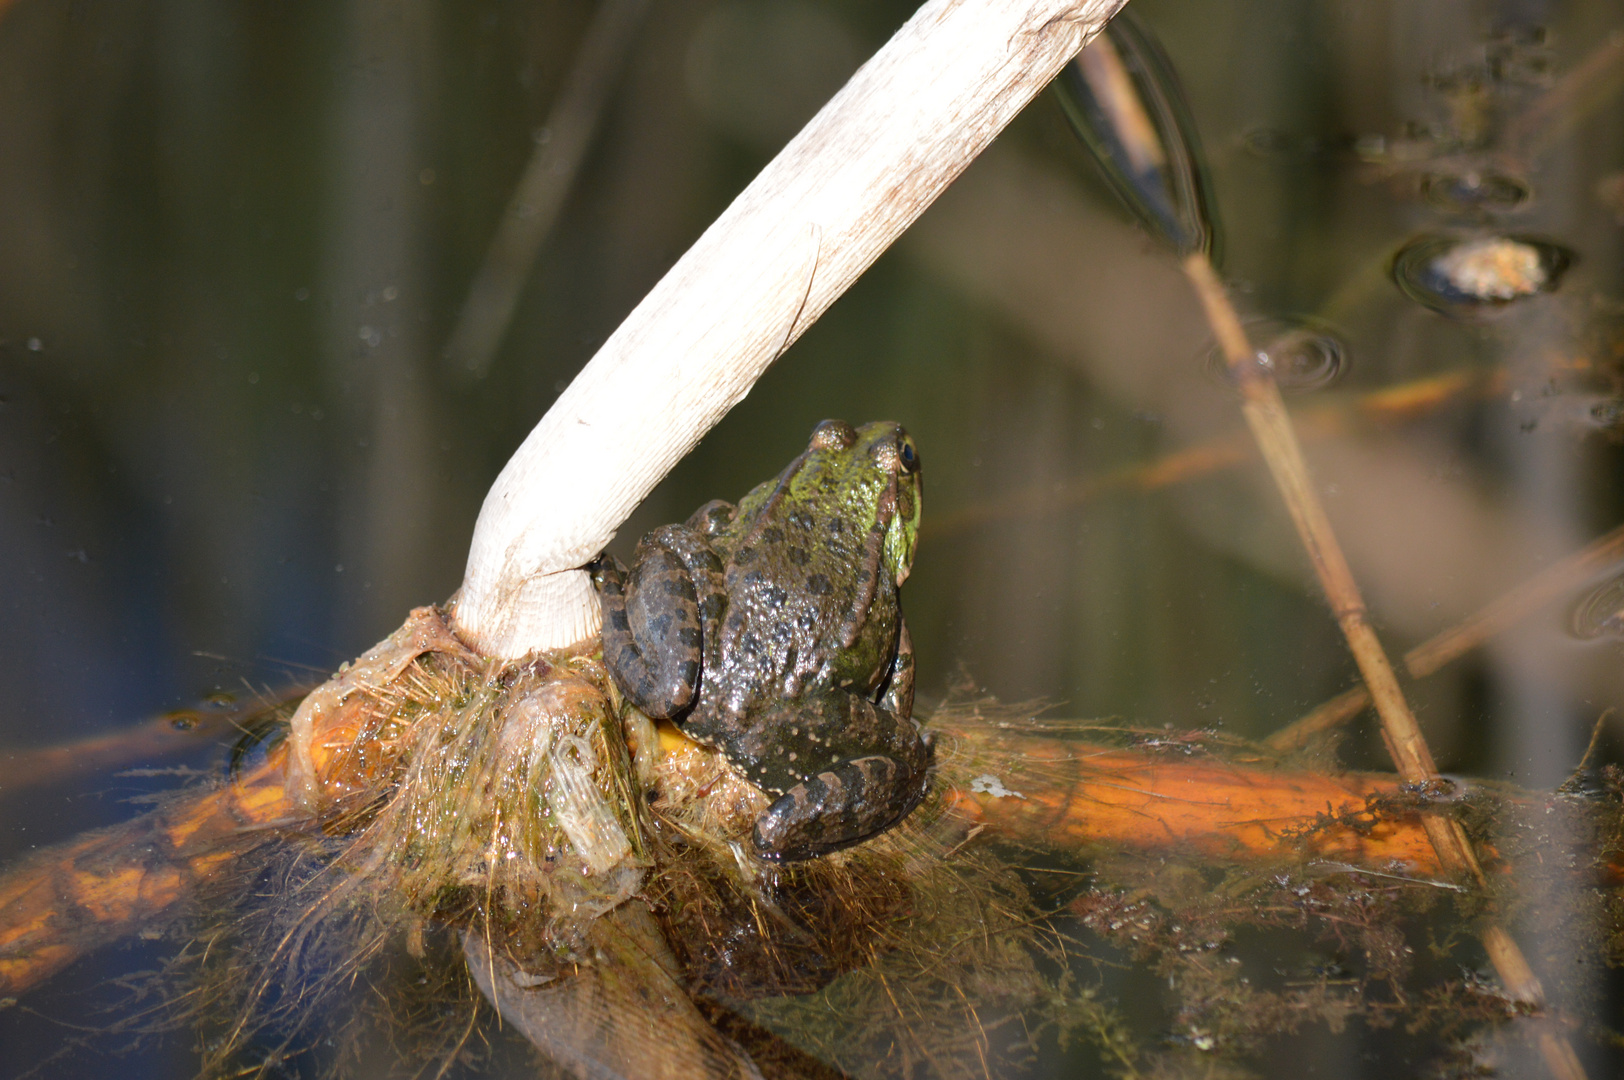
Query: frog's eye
x=833 y=435
x=908 y=456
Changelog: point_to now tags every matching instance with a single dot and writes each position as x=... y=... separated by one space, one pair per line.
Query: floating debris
x=1301 y=354
x=1464 y=276
x=1125 y=103
x=988 y=784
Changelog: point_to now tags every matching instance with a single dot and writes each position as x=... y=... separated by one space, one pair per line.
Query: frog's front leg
x=899 y=683
x=656 y=619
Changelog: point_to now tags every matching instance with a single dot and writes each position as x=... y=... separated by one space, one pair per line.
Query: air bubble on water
x=183 y=719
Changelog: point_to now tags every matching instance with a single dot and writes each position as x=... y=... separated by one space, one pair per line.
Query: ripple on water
x=260 y=735
x=1302 y=354
x=1600 y=612
x=1474 y=191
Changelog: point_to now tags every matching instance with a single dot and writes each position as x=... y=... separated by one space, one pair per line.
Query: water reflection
x=1474 y=192
x=1125 y=102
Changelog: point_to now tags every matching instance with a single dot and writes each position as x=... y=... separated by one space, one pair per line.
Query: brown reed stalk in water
x=539 y=195
x=1506 y=611
x=1392 y=404
x=1266 y=415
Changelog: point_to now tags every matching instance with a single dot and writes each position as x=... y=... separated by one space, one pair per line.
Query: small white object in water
x=1493 y=268
x=988 y=784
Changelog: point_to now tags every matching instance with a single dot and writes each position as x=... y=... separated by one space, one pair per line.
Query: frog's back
x=802 y=586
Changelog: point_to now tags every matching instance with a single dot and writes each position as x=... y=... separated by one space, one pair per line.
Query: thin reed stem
x=1266 y=415
x=539 y=195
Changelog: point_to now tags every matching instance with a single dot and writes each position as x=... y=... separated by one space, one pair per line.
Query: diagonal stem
x=1266 y=415
x=540 y=193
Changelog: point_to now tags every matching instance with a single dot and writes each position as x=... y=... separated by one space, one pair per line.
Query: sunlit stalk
x=1266 y=415
x=1134 y=143
x=865 y=167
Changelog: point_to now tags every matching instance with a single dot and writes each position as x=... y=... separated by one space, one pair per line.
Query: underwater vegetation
x=597 y=887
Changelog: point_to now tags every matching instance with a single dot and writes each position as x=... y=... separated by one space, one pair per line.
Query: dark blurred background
x=235 y=236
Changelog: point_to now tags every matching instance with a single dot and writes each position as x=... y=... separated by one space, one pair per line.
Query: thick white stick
x=866 y=166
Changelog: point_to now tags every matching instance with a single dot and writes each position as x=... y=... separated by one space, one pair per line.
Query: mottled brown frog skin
x=773 y=632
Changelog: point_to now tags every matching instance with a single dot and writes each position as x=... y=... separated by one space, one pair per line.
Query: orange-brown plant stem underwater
x=1056 y=794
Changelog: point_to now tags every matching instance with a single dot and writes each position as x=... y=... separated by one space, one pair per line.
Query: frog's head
x=870 y=477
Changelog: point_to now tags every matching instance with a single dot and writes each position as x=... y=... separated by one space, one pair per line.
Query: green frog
x=772 y=631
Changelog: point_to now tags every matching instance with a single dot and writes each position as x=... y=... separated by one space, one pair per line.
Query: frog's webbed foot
x=651 y=634
x=850 y=801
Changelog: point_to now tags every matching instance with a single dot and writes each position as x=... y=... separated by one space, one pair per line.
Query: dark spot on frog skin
x=818 y=584
x=772 y=534
x=797 y=556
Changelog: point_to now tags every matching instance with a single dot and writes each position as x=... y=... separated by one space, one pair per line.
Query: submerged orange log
x=1056 y=794
x=69 y=899
x=1069 y=796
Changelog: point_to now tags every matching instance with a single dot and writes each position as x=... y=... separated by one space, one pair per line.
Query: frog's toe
x=849 y=802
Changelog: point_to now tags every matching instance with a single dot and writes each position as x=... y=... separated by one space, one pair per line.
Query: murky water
x=237 y=238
